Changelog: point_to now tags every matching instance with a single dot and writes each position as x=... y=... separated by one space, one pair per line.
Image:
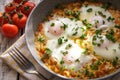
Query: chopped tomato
x=10 y=7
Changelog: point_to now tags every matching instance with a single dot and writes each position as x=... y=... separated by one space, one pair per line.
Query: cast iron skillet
x=37 y=15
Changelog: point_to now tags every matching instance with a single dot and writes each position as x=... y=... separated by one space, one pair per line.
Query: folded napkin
x=21 y=44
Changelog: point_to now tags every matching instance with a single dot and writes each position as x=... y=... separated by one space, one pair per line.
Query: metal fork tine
x=24 y=63
x=25 y=60
x=19 y=57
x=15 y=58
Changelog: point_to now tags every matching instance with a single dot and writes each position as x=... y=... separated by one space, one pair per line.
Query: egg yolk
x=96 y=21
x=56 y=28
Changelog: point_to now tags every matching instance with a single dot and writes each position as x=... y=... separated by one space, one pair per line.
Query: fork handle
x=40 y=75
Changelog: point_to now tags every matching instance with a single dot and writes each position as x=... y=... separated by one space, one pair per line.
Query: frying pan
x=37 y=16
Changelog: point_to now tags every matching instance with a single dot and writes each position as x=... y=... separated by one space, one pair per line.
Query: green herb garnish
x=98 y=32
x=115 y=60
x=110 y=36
x=86 y=51
x=64 y=26
x=52 y=24
x=110 y=19
x=95 y=65
x=75 y=33
x=101 y=14
x=62 y=61
x=76 y=14
x=77 y=60
x=117 y=26
x=68 y=12
x=89 y=10
x=88 y=25
x=68 y=46
x=83 y=36
x=60 y=41
x=41 y=39
x=48 y=51
x=64 y=52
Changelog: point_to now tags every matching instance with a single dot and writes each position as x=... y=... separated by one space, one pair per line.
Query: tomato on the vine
x=20 y=20
x=11 y=7
x=4 y=18
x=20 y=1
x=9 y=30
x=27 y=8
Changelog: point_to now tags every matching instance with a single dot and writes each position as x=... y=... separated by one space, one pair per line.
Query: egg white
x=94 y=16
x=107 y=49
x=74 y=53
x=74 y=28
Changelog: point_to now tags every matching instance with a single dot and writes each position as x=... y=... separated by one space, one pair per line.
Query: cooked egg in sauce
x=80 y=40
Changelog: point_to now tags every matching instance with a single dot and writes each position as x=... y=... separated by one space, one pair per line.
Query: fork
x=24 y=63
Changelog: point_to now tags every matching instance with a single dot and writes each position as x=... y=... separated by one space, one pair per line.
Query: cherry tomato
x=20 y=20
x=27 y=8
x=10 y=7
x=20 y=1
x=9 y=30
x=4 y=18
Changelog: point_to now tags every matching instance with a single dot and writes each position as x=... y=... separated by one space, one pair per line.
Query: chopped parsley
x=86 y=51
x=62 y=61
x=89 y=10
x=117 y=26
x=64 y=26
x=96 y=21
x=95 y=37
x=101 y=14
x=95 y=65
x=41 y=39
x=103 y=22
x=52 y=24
x=76 y=14
x=68 y=12
x=77 y=60
x=98 y=32
x=83 y=36
x=110 y=36
x=82 y=29
x=65 y=40
x=115 y=60
x=60 y=41
x=106 y=48
x=88 y=25
x=88 y=73
x=48 y=51
x=75 y=33
x=110 y=19
x=68 y=46
x=64 y=52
